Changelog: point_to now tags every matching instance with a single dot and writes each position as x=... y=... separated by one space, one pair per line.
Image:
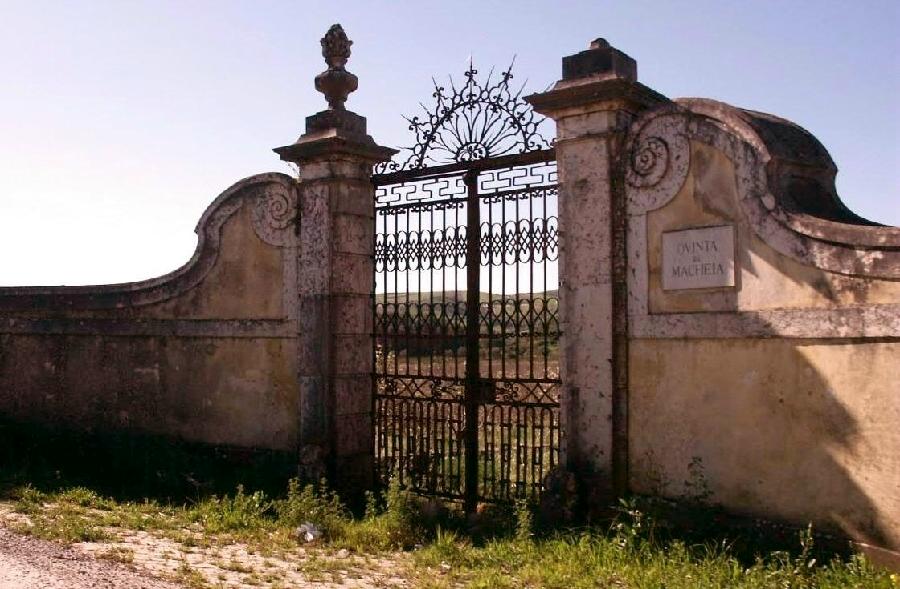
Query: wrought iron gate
x=466 y=306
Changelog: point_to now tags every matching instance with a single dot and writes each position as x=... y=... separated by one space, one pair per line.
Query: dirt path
x=135 y=559
x=131 y=559
x=27 y=563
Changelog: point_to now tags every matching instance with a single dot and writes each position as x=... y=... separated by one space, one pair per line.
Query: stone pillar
x=335 y=281
x=593 y=105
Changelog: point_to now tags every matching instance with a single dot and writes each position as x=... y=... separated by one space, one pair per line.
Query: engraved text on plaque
x=698 y=258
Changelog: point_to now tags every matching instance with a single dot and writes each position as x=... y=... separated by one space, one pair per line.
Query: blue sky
x=121 y=121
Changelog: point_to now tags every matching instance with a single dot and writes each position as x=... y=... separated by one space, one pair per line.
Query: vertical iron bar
x=373 y=404
x=449 y=446
x=473 y=291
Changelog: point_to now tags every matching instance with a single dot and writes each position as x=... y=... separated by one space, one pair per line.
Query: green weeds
x=238 y=513
x=63 y=520
x=314 y=505
x=629 y=554
x=639 y=547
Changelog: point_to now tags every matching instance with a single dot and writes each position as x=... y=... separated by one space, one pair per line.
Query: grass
x=586 y=559
x=643 y=543
x=635 y=552
x=118 y=554
x=637 y=548
x=65 y=519
x=266 y=524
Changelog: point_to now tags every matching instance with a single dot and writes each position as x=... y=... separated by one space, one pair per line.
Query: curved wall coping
x=274 y=196
x=768 y=154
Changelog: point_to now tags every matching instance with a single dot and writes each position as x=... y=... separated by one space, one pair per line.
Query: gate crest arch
x=477 y=120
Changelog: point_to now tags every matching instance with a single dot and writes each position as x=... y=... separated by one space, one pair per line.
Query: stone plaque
x=698 y=258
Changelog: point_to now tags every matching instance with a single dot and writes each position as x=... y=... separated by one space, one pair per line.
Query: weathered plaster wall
x=766 y=279
x=206 y=354
x=216 y=390
x=800 y=430
x=778 y=396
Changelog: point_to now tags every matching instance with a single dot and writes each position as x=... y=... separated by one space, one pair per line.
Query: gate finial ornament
x=336 y=83
x=335 y=130
x=336 y=47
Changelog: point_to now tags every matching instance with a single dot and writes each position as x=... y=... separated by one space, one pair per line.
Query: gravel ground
x=28 y=563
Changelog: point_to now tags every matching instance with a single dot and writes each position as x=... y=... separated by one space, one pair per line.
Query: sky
x=121 y=121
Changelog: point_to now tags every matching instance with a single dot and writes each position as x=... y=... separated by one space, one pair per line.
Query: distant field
x=459 y=295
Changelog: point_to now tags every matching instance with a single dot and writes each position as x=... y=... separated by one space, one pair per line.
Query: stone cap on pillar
x=336 y=131
x=601 y=76
x=600 y=59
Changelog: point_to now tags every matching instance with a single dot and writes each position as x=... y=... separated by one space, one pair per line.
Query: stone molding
x=274 y=199
x=103 y=327
x=658 y=157
x=598 y=92
x=335 y=144
x=860 y=322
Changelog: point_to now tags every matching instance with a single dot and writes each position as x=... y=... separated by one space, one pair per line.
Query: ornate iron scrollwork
x=479 y=119
x=467 y=364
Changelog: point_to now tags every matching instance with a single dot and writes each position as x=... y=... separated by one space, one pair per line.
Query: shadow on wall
x=777 y=398
x=755 y=425
x=130 y=466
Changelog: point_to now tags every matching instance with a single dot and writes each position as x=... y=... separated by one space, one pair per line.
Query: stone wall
x=205 y=354
x=263 y=340
x=764 y=347
x=730 y=330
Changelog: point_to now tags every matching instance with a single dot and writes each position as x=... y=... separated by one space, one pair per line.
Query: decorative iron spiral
x=479 y=119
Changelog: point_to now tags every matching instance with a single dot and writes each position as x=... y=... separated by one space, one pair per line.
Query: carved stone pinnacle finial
x=336 y=47
x=336 y=83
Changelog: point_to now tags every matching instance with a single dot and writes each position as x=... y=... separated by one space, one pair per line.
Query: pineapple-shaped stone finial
x=336 y=83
